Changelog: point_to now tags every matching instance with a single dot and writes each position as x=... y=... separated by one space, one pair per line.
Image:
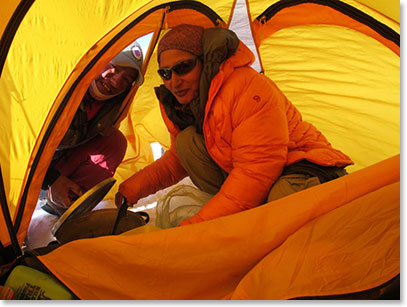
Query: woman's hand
x=64 y=191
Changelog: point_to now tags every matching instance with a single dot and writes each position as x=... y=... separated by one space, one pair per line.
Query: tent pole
x=130 y=96
x=7 y=218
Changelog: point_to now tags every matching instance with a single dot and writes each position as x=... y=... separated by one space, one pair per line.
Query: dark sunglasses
x=180 y=68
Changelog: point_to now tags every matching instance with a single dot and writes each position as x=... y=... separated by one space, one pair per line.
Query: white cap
x=131 y=56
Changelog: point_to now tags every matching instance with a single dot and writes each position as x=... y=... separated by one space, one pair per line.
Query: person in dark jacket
x=93 y=147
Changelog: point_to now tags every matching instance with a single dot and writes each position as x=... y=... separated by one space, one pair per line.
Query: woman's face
x=185 y=87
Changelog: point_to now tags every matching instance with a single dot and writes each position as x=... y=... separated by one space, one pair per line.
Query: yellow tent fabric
x=80 y=38
x=337 y=61
x=297 y=246
x=313 y=61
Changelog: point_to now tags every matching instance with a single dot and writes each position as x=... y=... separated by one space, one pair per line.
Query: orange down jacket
x=251 y=130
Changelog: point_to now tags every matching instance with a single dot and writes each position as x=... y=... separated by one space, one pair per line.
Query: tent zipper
x=342 y=7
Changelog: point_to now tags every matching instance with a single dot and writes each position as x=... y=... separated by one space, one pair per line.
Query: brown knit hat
x=183 y=37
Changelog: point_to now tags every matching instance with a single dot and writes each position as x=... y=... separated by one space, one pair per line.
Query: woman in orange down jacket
x=232 y=130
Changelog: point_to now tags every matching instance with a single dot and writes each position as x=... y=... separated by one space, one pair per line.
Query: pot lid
x=85 y=203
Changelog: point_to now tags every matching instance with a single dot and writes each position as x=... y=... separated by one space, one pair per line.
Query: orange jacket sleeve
x=159 y=175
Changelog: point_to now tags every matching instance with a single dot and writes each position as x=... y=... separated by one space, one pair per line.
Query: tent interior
x=337 y=61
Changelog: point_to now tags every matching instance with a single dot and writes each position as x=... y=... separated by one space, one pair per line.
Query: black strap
x=120 y=214
x=145 y=216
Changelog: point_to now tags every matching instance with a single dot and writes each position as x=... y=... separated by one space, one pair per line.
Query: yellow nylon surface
x=44 y=52
x=388 y=8
x=345 y=83
x=334 y=253
x=209 y=260
x=381 y=10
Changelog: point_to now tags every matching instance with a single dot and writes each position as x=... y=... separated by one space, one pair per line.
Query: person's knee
x=289 y=184
x=117 y=144
x=184 y=142
x=112 y=149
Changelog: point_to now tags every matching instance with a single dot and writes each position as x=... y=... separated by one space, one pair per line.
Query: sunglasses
x=180 y=68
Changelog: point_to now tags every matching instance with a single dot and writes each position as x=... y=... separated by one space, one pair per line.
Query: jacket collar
x=222 y=53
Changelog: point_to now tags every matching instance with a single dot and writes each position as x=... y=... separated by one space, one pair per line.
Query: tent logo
x=136 y=52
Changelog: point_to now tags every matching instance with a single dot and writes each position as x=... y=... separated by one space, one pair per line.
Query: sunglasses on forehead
x=180 y=68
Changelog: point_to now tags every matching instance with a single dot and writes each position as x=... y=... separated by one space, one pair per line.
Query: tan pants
x=194 y=157
x=289 y=184
x=209 y=177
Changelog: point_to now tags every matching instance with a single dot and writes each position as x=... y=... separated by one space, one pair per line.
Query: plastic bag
x=181 y=202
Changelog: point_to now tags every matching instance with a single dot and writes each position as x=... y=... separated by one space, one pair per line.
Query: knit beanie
x=183 y=37
x=131 y=56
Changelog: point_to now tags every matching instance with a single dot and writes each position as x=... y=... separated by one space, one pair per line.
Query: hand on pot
x=64 y=191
